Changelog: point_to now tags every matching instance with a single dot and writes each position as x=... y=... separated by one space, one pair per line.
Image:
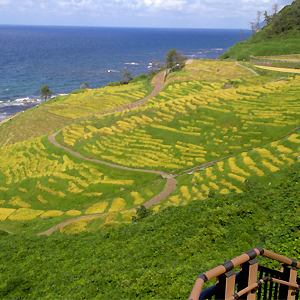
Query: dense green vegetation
x=158 y=257
x=279 y=37
x=230 y=138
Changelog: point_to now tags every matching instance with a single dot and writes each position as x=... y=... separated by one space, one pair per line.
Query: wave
x=132 y=64
x=111 y=71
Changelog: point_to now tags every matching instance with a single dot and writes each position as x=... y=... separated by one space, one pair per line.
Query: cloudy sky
x=136 y=13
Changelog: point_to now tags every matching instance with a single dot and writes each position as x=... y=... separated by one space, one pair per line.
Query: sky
x=235 y=14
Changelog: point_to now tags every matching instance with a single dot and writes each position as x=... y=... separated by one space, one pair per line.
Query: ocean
x=65 y=57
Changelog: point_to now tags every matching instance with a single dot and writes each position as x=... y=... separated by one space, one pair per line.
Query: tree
x=275 y=10
x=170 y=59
x=267 y=17
x=175 y=60
x=127 y=76
x=141 y=213
x=45 y=92
x=84 y=85
x=252 y=27
x=258 y=20
x=242 y=35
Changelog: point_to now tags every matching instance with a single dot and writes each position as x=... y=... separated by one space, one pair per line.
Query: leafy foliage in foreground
x=158 y=257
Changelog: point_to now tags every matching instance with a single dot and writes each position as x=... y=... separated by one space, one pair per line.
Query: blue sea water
x=65 y=57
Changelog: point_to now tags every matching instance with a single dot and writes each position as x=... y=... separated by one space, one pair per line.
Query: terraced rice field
x=63 y=110
x=97 y=101
x=178 y=134
x=230 y=175
x=214 y=127
x=40 y=182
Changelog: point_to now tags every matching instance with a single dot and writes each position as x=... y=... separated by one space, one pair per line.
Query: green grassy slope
x=64 y=110
x=159 y=257
x=280 y=37
x=221 y=115
x=210 y=111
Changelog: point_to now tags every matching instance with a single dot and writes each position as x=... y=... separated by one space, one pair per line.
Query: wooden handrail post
x=248 y=276
x=226 y=285
x=289 y=275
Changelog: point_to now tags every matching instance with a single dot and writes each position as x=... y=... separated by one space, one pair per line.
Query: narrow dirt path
x=255 y=73
x=158 y=86
x=171 y=182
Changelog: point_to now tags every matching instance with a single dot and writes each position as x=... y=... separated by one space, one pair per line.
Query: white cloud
x=118 y=12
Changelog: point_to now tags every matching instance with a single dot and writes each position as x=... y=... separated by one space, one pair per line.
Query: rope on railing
x=226 y=277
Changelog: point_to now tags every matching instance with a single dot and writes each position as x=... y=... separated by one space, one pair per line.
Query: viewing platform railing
x=252 y=281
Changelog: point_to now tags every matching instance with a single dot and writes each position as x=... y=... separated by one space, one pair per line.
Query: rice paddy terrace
x=213 y=127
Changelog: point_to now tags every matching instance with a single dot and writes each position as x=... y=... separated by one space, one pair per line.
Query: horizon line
x=119 y=27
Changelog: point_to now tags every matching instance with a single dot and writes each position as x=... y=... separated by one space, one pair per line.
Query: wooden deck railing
x=252 y=281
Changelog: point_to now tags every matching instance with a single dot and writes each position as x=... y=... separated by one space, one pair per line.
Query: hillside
x=212 y=127
x=279 y=37
x=159 y=257
x=214 y=156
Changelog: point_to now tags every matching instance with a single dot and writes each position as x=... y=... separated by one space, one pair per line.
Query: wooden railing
x=252 y=281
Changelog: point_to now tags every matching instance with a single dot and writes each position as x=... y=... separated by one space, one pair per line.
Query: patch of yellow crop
x=22 y=190
x=51 y=213
x=5 y=212
x=2 y=202
x=97 y=208
x=213 y=185
x=127 y=215
x=185 y=192
x=110 y=217
x=17 y=201
x=174 y=201
x=231 y=186
x=93 y=194
x=23 y=214
x=49 y=190
x=289 y=160
x=118 y=182
x=293 y=138
x=75 y=226
x=156 y=208
x=224 y=191
x=41 y=199
x=73 y=188
x=73 y=212
x=234 y=168
x=3 y=188
x=117 y=205
x=239 y=178
x=220 y=165
x=137 y=198
x=148 y=192
x=283 y=149
x=205 y=188
x=271 y=167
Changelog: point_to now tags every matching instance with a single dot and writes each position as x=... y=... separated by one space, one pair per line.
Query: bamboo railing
x=244 y=286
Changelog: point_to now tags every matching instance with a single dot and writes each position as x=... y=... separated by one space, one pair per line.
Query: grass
x=289 y=57
x=248 y=125
x=190 y=126
x=222 y=113
x=159 y=257
x=64 y=110
x=38 y=179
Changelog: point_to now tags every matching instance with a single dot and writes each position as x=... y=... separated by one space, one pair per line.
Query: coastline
x=7 y=112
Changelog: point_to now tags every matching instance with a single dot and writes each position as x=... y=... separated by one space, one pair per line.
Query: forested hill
x=279 y=37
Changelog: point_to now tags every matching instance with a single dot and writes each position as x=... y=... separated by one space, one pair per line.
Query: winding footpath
x=171 y=182
x=255 y=73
